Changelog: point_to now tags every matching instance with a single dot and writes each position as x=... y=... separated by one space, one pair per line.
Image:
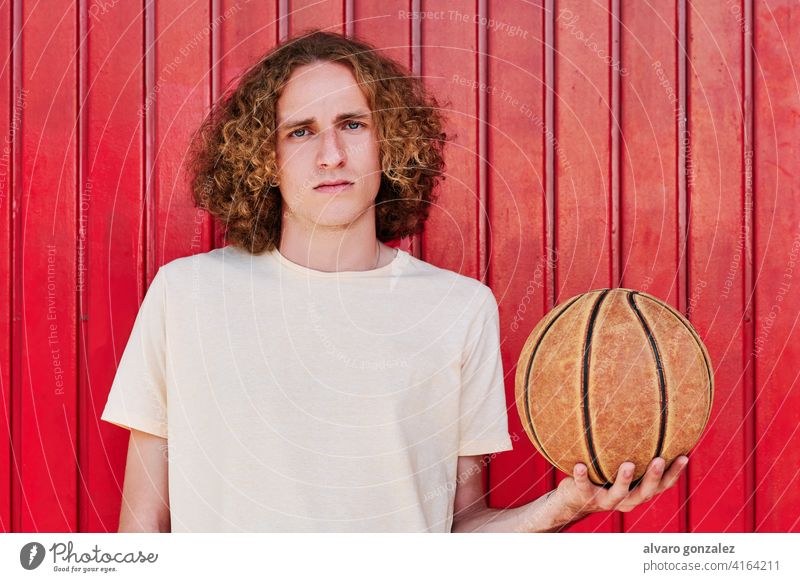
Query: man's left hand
x=582 y=497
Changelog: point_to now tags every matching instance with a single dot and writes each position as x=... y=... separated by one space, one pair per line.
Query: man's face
x=335 y=140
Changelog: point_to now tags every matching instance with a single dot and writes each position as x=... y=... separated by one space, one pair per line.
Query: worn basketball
x=613 y=375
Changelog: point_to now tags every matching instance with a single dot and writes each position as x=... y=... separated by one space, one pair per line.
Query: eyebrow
x=311 y=120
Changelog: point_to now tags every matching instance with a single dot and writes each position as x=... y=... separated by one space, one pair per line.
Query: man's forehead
x=324 y=90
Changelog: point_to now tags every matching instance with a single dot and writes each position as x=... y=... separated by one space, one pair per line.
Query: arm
x=573 y=499
x=471 y=513
x=145 y=494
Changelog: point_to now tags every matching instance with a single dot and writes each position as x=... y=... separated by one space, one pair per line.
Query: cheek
x=372 y=163
x=291 y=168
x=375 y=151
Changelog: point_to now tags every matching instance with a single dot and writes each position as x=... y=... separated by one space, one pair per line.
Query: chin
x=342 y=220
x=340 y=215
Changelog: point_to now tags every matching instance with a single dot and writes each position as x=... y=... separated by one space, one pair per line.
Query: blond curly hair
x=232 y=159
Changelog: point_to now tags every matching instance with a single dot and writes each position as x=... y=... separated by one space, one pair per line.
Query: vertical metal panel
x=416 y=69
x=111 y=212
x=449 y=54
x=15 y=405
x=682 y=274
x=551 y=288
x=550 y=151
x=748 y=315
x=777 y=267
x=584 y=207
x=616 y=76
x=325 y=14
x=215 y=80
x=517 y=139
x=480 y=153
x=386 y=25
x=149 y=114
x=183 y=95
x=718 y=478
x=7 y=175
x=45 y=268
x=649 y=236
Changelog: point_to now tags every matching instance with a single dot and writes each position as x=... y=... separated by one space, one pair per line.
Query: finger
x=619 y=491
x=648 y=487
x=581 y=476
x=674 y=472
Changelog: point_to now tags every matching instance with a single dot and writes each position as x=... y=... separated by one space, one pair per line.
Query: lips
x=333 y=183
x=333 y=187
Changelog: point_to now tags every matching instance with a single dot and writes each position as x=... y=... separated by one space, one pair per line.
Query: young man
x=308 y=377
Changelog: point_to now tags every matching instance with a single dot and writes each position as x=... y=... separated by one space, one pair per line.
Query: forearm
x=546 y=514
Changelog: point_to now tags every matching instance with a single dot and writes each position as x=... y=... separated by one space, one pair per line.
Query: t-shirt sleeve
x=138 y=396
x=484 y=421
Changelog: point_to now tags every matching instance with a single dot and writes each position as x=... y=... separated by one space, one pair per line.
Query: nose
x=331 y=154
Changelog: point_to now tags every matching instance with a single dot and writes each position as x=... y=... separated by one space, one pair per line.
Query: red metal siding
x=719 y=474
x=613 y=143
x=776 y=236
x=45 y=391
x=110 y=244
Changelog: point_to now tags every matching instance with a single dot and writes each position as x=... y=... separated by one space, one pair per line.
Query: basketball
x=613 y=375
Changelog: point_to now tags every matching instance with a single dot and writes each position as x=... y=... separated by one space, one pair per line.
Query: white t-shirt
x=300 y=400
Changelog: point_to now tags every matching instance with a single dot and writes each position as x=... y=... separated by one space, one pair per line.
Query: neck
x=352 y=247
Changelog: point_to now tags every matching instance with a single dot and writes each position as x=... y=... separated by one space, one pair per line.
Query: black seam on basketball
x=699 y=346
x=528 y=375
x=662 y=382
x=587 y=425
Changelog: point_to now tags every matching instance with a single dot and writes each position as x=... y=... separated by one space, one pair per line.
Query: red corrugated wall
x=608 y=143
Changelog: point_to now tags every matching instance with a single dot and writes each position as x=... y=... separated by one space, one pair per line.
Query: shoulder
x=444 y=282
x=191 y=266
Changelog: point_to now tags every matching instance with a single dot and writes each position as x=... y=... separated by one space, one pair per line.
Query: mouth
x=333 y=188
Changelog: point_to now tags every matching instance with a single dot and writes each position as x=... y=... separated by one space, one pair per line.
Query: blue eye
x=348 y=124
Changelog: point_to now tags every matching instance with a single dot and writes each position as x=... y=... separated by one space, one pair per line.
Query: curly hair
x=232 y=159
